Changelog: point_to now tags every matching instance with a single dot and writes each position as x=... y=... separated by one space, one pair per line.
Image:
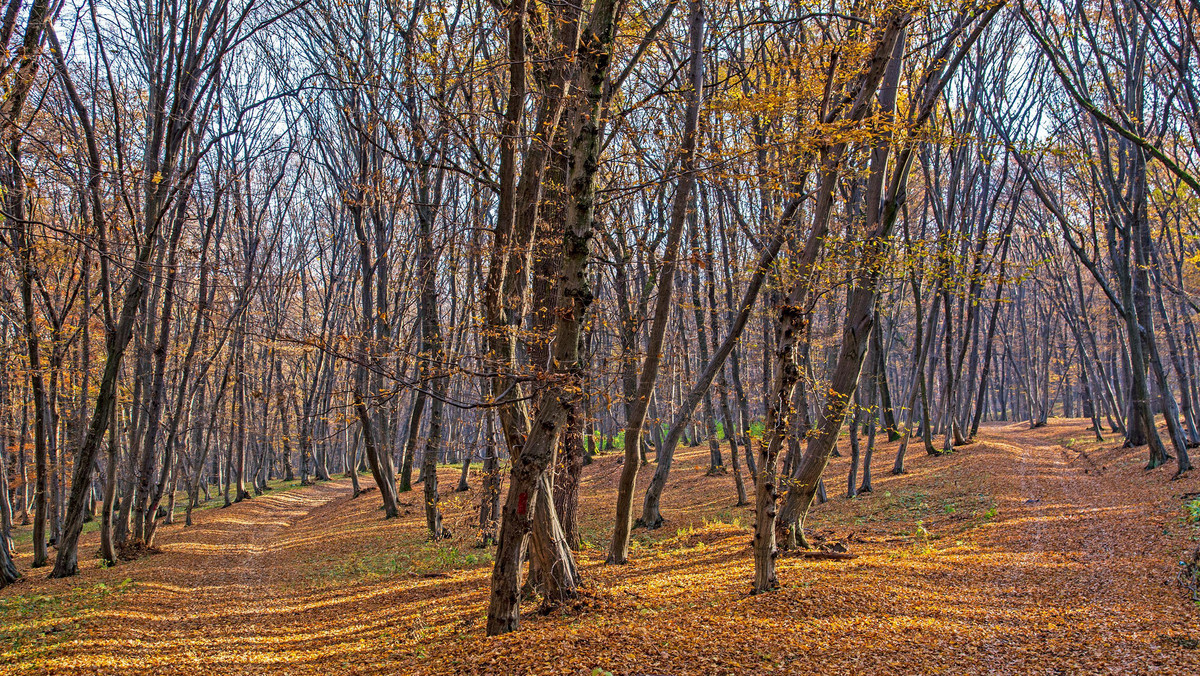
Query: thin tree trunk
x=619 y=547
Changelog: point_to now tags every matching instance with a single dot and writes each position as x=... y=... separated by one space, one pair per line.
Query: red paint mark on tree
x=522 y=504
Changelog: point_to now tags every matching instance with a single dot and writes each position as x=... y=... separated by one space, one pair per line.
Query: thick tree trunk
x=529 y=482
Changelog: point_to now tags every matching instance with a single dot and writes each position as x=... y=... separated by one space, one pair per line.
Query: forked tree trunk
x=791 y=324
x=410 y=444
x=881 y=216
x=463 y=486
x=529 y=490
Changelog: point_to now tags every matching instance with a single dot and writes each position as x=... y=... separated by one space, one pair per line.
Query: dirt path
x=1044 y=553
x=207 y=598
x=1090 y=552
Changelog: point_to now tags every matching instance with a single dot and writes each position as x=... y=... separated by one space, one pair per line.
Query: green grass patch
x=23 y=535
x=426 y=559
x=1191 y=511
x=615 y=442
x=476 y=466
x=756 y=429
x=40 y=620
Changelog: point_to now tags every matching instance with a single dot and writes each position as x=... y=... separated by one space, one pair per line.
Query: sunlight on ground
x=1003 y=554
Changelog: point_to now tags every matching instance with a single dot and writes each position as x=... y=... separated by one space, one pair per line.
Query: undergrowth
x=428 y=559
x=40 y=620
x=1189 y=570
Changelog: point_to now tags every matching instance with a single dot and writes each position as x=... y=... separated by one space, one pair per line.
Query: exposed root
x=131 y=550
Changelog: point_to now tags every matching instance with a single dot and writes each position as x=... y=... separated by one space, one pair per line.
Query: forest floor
x=1029 y=551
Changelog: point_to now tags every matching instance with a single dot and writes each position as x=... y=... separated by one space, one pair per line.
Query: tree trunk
x=529 y=482
x=489 y=501
x=619 y=547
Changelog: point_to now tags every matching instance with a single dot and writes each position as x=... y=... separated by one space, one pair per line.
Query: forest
x=618 y=336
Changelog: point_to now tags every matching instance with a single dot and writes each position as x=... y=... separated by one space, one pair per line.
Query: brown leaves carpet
x=1035 y=552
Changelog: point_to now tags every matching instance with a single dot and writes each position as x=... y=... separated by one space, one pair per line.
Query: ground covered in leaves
x=1027 y=552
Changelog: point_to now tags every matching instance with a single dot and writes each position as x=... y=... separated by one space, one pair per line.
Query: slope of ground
x=1026 y=552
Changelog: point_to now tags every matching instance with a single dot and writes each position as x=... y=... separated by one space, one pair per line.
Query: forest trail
x=1030 y=551
x=1087 y=550
x=211 y=595
x=233 y=561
